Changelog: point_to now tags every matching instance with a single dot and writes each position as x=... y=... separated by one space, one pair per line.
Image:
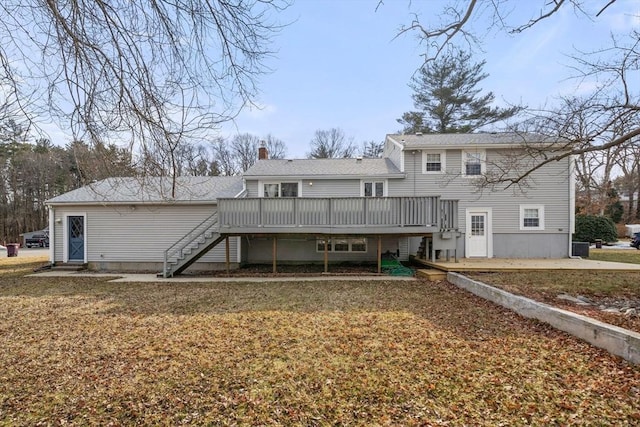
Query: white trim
x=572 y=196
x=385 y=186
x=483 y=161
x=443 y=161
x=52 y=232
x=540 y=209
x=65 y=235
x=489 y=228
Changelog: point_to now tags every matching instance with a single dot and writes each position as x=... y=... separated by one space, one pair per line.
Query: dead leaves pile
x=363 y=353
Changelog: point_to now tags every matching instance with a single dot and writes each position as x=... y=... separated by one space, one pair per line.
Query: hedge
x=589 y=228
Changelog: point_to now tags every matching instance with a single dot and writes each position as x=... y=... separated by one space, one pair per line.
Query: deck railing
x=427 y=211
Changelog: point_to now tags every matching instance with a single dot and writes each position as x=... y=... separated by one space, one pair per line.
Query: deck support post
x=275 y=255
x=326 y=254
x=379 y=254
x=226 y=253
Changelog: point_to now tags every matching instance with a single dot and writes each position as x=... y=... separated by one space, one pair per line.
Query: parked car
x=635 y=240
x=37 y=241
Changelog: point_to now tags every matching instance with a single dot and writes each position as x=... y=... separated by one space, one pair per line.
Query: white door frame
x=65 y=234
x=488 y=229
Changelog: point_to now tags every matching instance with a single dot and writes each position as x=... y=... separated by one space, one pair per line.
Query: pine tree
x=448 y=100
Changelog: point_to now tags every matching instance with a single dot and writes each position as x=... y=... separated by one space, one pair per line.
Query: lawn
x=615 y=255
x=604 y=288
x=85 y=351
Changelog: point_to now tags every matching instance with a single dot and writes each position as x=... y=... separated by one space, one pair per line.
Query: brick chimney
x=262 y=152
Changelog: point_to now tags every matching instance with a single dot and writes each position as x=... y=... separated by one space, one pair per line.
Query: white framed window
x=279 y=189
x=433 y=161
x=531 y=217
x=474 y=162
x=373 y=188
x=354 y=244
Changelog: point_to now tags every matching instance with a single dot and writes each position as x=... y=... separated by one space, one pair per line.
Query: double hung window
x=280 y=189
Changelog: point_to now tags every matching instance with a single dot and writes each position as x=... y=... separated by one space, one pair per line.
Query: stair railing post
x=164 y=268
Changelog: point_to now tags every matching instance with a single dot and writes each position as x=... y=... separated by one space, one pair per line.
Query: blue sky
x=339 y=65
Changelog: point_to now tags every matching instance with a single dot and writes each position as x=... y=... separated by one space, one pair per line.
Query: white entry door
x=478 y=229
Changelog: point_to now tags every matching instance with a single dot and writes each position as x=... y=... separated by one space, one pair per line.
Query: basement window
x=358 y=244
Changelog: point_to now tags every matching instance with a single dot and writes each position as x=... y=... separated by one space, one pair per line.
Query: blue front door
x=75 y=226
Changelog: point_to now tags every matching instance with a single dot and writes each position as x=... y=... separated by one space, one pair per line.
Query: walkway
x=126 y=277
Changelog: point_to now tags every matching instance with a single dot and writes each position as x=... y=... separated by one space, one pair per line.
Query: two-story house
x=422 y=195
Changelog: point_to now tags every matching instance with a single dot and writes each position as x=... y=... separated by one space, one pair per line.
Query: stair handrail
x=190 y=237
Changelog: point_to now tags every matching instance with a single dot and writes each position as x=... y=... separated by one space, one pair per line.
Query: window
x=433 y=161
x=373 y=189
x=358 y=244
x=280 y=189
x=531 y=217
x=473 y=162
x=340 y=245
x=320 y=245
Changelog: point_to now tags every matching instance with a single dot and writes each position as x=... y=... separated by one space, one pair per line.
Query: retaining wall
x=618 y=341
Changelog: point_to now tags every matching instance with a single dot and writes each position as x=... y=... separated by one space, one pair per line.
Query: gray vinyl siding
x=549 y=187
x=331 y=188
x=317 y=187
x=393 y=152
x=123 y=234
x=303 y=250
x=252 y=188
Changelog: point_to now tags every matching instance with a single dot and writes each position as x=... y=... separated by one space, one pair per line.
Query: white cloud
x=625 y=20
x=258 y=111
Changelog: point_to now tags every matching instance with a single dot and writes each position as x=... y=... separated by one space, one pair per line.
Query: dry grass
x=84 y=351
x=602 y=287
x=615 y=255
x=19 y=266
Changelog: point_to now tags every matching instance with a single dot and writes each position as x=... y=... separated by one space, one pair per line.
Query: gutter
x=323 y=177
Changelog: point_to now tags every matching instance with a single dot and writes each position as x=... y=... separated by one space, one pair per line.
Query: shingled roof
x=465 y=139
x=197 y=189
x=324 y=168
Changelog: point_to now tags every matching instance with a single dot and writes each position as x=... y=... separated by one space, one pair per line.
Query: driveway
x=27 y=252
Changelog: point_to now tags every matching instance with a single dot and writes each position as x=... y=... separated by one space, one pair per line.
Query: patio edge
x=618 y=341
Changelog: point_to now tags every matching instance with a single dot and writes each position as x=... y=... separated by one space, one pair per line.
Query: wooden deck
x=503 y=264
x=339 y=215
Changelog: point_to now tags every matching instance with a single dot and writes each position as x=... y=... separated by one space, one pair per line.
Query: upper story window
x=373 y=189
x=531 y=217
x=473 y=162
x=280 y=189
x=433 y=161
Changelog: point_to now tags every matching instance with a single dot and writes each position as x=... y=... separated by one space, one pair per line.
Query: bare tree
x=276 y=148
x=332 y=143
x=161 y=72
x=614 y=100
x=244 y=147
x=224 y=157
